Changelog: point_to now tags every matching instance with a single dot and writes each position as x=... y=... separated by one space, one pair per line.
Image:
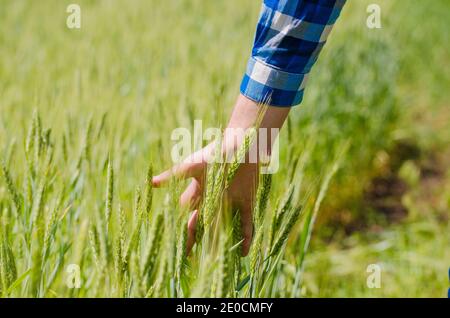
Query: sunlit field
x=86 y=117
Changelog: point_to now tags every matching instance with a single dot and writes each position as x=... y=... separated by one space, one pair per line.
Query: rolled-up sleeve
x=289 y=37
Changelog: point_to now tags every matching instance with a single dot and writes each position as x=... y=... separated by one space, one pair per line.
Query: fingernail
x=155 y=181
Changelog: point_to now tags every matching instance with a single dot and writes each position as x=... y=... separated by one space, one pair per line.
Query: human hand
x=241 y=192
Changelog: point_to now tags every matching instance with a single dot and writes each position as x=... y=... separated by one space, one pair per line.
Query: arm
x=243 y=188
x=289 y=38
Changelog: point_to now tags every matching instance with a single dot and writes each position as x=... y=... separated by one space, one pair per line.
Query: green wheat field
x=86 y=117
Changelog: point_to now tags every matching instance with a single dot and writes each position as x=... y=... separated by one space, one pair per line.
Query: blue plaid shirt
x=289 y=37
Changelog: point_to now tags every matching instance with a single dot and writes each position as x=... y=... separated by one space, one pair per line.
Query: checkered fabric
x=289 y=37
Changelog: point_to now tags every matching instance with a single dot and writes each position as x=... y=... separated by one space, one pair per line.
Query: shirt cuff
x=265 y=84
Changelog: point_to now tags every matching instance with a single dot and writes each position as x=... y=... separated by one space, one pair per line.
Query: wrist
x=246 y=114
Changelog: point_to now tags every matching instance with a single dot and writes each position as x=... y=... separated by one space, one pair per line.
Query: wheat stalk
x=239 y=156
x=292 y=219
x=149 y=191
x=11 y=188
x=155 y=237
x=109 y=193
x=8 y=270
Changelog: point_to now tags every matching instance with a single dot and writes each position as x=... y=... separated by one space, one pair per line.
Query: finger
x=191 y=196
x=247 y=227
x=182 y=170
x=192 y=225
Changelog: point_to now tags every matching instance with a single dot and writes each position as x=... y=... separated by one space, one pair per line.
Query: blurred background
x=139 y=69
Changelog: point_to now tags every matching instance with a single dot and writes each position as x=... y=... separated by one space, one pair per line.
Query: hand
x=242 y=190
x=240 y=194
